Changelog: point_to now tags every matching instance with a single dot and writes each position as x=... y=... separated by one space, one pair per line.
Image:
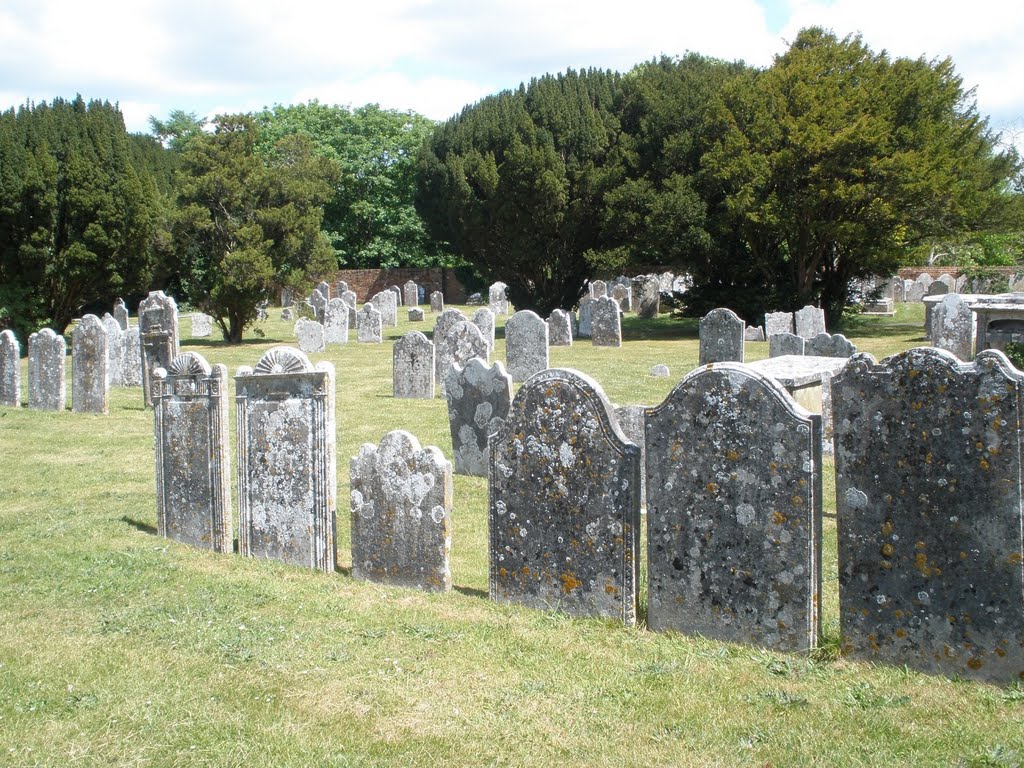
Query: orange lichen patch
x=887 y=528
x=502 y=572
x=611 y=589
x=797 y=500
x=963 y=555
x=923 y=567
x=917 y=406
x=920 y=545
x=975 y=663
x=1015 y=558
x=901 y=633
x=732 y=455
x=886 y=565
x=570 y=582
x=898 y=613
x=526 y=570
x=711 y=487
x=983 y=464
x=928 y=458
x=778 y=518
x=888 y=549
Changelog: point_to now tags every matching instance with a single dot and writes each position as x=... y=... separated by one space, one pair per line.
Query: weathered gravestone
x=559 y=328
x=415 y=315
x=598 y=289
x=336 y=322
x=937 y=288
x=631 y=420
x=605 y=323
x=310 y=334
x=809 y=321
x=777 y=322
x=830 y=345
x=952 y=326
x=721 y=337
x=47 y=390
x=526 y=345
x=483 y=319
x=340 y=287
x=623 y=295
x=325 y=289
x=459 y=346
x=734 y=511
x=401 y=514
x=386 y=302
x=202 y=325
x=398 y=296
x=287 y=314
x=444 y=325
x=158 y=334
x=498 y=298
x=585 y=325
x=478 y=402
x=753 y=333
x=318 y=301
x=10 y=370
x=115 y=350
x=436 y=302
x=193 y=471
x=780 y=344
x=660 y=371
x=413 y=366
x=349 y=297
x=564 y=502
x=90 y=389
x=121 y=314
x=947 y=279
x=928 y=492
x=286 y=460
x=412 y=294
x=647 y=295
x=369 y=325
x=131 y=361
x=915 y=291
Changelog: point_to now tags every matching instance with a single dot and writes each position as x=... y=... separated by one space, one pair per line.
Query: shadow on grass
x=209 y=342
x=663 y=327
x=472 y=591
x=139 y=525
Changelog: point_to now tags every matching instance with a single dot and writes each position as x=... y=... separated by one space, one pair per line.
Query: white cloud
x=434 y=97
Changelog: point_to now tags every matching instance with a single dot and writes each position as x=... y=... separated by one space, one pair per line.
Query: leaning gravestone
x=952 y=326
x=158 y=335
x=830 y=345
x=436 y=302
x=286 y=460
x=336 y=322
x=734 y=511
x=647 y=295
x=443 y=325
x=115 y=350
x=585 y=326
x=559 y=329
x=10 y=370
x=928 y=466
x=46 y=386
x=459 y=346
x=121 y=314
x=369 y=325
x=202 y=325
x=777 y=322
x=526 y=345
x=193 y=471
x=318 y=301
x=413 y=366
x=310 y=335
x=483 y=319
x=809 y=321
x=564 y=502
x=780 y=344
x=605 y=323
x=90 y=389
x=478 y=402
x=131 y=360
x=498 y=298
x=412 y=294
x=401 y=514
x=721 y=337
x=386 y=302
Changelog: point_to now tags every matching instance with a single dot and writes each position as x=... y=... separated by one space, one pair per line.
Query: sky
x=436 y=56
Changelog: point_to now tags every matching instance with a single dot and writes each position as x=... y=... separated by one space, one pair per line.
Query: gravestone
x=498 y=298
x=336 y=322
x=310 y=334
x=287 y=297
x=115 y=350
x=483 y=319
x=443 y=325
x=318 y=301
x=202 y=325
x=647 y=296
x=459 y=346
x=753 y=333
x=479 y=398
x=90 y=388
x=623 y=295
x=899 y=290
x=193 y=471
x=937 y=288
x=780 y=344
x=325 y=290
x=415 y=315
x=10 y=370
x=388 y=306
x=721 y=337
x=605 y=323
x=925 y=279
x=585 y=323
x=559 y=329
x=928 y=491
x=660 y=371
x=952 y=326
x=286 y=460
x=47 y=390
x=158 y=336
x=121 y=314
x=830 y=345
x=398 y=296
x=526 y=345
x=631 y=419
x=564 y=502
x=598 y=289
x=340 y=287
x=947 y=279
x=412 y=294
x=413 y=366
x=809 y=321
x=401 y=514
x=436 y=302
x=369 y=325
x=915 y=291
x=286 y=314
x=734 y=511
x=777 y=322
x=349 y=297
x=131 y=361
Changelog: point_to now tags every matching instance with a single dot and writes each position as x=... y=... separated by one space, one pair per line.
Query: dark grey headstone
x=318 y=301
x=606 y=323
x=90 y=388
x=325 y=289
x=459 y=346
x=564 y=501
x=721 y=337
x=647 y=295
x=780 y=344
x=734 y=511
x=559 y=328
x=478 y=402
x=415 y=315
x=47 y=389
x=10 y=370
x=632 y=420
x=158 y=334
x=413 y=366
x=623 y=294
x=349 y=297
x=937 y=288
x=526 y=345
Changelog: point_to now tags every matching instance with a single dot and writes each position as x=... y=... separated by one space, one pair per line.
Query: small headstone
x=261 y=311
x=526 y=345
x=325 y=290
x=369 y=325
x=809 y=321
x=483 y=319
x=318 y=301
x=925 y=279
x=606 y=323
x=777 y=322
x=437 y=302
x=830 y=345
x=339 y=288
x=286 y=314
x=623 y=295
x=46 y=386
x=193 y=472
x=121 y=314
x=780 y=344
x=115 y=349
x=647 y=296
x=564 y=501
x=412 y=294
x=478 y=402
x=10 y=370
x=598 y=289
x=387 y=303
x=559 y=329
x=415 y=315
x=458 y=347
x=336 y=322
x=585 y=324
x=753 y=333
x=349 y=297
x=286 y=460
x=660 y=371
x=90 y=388
x=413 y=366
x=310 y=335
x=721 y=337
x=498 y=298
x=202 y=325
x=401 y=514
x=952 y=326
x=948 y=281
x=880 y=307
x=158 y=332
x=899 y=290
x=287 y=297
x=475 y=299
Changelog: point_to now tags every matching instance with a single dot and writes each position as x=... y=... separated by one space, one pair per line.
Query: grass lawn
x=121 y=648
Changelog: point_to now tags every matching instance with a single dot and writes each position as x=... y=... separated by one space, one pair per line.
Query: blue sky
x=435 y=56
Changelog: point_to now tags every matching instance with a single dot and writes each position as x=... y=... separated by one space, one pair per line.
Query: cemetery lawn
x=121 y=648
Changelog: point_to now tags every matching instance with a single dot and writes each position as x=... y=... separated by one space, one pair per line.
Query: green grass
x=121 y=648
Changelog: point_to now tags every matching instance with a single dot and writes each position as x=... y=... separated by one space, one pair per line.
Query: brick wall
x=911 y=273
x=367 y=282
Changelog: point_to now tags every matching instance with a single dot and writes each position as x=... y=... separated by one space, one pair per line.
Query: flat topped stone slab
x=798 y=370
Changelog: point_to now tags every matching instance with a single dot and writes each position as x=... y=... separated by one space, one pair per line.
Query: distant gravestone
x=131 y=361
x=413 y=366
x=899 y=290
x=287 y=297
x=585 y=324
x=202 y=325
x=498 y=298
x=721 y=337
x=286 y=460
x=780 y=344
x=121 y=314
x=287 y=314
x=777 y=322
x=928 y=466
x=90 y=389
x=483 y=319
x=526 y=345
x=605 y=323
x=436 y=302
x=937 y=288
x=369 y=328
x=915 y=291
x=415 y=315
x=830 y=345
x=401 y=514
x=158 y=335
x=339 y=288
x=660 y=371
x=925 y=279
x=310 y=334
x=598 y=289
x=193 y=472
x=318 y=301
x=458 y=347
x=47 y=390
x=734 y=538
x=952 y=327
x=559 y=329
x=623 y=295
x=412 y=294
x=398 y=295
x=349 y=297
x=336 y=322
x=809 y=321
x=753 y=333
x=385 y=301
x=325 y=289
x=10 y=370
x=115 y=349
x=647 y=296
x=444 y=325
x=479 y=398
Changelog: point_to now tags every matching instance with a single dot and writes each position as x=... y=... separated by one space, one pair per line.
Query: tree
x=247 y=224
